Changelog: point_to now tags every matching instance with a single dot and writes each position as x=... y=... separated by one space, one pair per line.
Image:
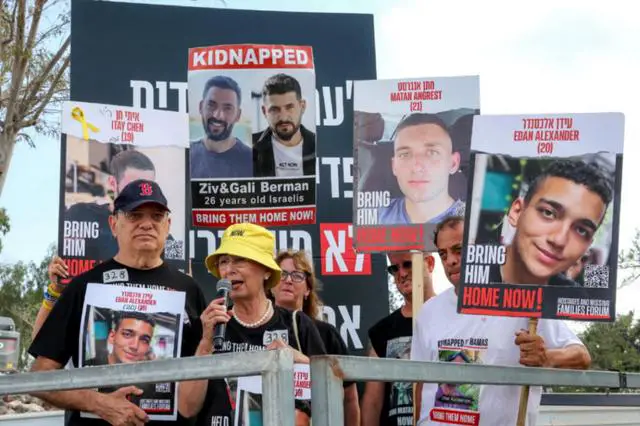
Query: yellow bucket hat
x=251 y=242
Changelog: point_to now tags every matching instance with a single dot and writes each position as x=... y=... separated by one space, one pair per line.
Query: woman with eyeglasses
x=297 y=291
x=245 y=257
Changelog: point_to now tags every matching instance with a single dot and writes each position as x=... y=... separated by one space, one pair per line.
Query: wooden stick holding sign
x=524 y=393
x=417 y=299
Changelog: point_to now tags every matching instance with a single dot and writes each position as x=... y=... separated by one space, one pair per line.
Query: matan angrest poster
x=252 y=128
x=105 y=148
x=411 y=158
x=541 y=230
x=126 y=324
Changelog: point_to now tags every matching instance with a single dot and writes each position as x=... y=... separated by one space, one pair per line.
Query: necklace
x=263 y=318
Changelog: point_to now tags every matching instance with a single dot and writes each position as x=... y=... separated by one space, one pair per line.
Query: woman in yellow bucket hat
x=246 y=258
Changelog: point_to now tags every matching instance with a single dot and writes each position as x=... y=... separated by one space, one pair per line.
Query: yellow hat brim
x=237 y=248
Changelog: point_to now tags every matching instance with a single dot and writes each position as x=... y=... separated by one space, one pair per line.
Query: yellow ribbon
x=78 y=114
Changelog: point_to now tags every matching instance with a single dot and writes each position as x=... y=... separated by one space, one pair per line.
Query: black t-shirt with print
x=391 y=338
x=218 y=410
x=332 y=341
x=58 y=339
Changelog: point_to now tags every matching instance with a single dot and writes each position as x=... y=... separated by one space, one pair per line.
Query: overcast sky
x=542 y=57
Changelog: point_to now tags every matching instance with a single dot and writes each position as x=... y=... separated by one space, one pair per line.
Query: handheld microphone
x=223 y=287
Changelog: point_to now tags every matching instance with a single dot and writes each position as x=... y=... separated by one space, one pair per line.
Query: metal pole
x=632 y=380
x=384 y=369
x=170 y=370
x=278 y=408
x=327 y=392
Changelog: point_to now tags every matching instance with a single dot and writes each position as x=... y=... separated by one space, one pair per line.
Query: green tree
x=613 y=346
x=21 y=288
x=629 y=261
x=34 y=60
x=21 y=295
x=4 y=225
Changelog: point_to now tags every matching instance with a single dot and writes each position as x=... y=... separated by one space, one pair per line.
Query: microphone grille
x=223 y=285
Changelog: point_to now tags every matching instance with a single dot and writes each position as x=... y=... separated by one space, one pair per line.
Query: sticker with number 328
x=271 y=336
x=115 y=275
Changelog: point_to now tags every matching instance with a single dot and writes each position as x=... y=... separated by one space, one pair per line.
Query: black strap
x=623 y=379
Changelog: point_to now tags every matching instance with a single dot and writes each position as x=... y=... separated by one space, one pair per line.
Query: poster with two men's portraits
x=252 y=129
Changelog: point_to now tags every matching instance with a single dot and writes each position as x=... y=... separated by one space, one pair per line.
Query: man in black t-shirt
x=141 y=224
x=385 y=403
x=285 y=147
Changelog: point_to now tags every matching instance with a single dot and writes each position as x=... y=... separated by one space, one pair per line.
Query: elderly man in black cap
x=140 y=223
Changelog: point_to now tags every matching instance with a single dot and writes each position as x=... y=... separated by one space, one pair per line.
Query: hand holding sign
x=57 y=268
x=116 y=409
x=298 y=357
x=533 y=352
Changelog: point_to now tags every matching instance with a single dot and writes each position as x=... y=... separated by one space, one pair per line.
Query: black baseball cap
x=137 y=193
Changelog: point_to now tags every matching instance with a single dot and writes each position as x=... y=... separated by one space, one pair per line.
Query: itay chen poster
x=125 y=324
x=105 y=148
x=252 y=115
x=411 y=154
x=541 y=230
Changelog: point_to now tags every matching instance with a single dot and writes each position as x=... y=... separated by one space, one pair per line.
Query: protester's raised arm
x=57 y=268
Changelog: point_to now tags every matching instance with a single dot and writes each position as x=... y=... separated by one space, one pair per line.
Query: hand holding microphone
x=215 y=316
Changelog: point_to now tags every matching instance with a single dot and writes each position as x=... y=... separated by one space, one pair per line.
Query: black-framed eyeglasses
x=393 y=269
x=296 y=276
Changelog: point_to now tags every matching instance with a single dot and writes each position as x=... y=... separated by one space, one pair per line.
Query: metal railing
x=275 y=367
x=328 y=373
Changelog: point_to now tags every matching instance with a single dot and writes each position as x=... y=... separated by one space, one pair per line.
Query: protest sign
x=253 y=138
x=125 y=125
x=541 y=233
x=124 y=324
x=411 y=149
x=94 y=171
x=248 y=407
